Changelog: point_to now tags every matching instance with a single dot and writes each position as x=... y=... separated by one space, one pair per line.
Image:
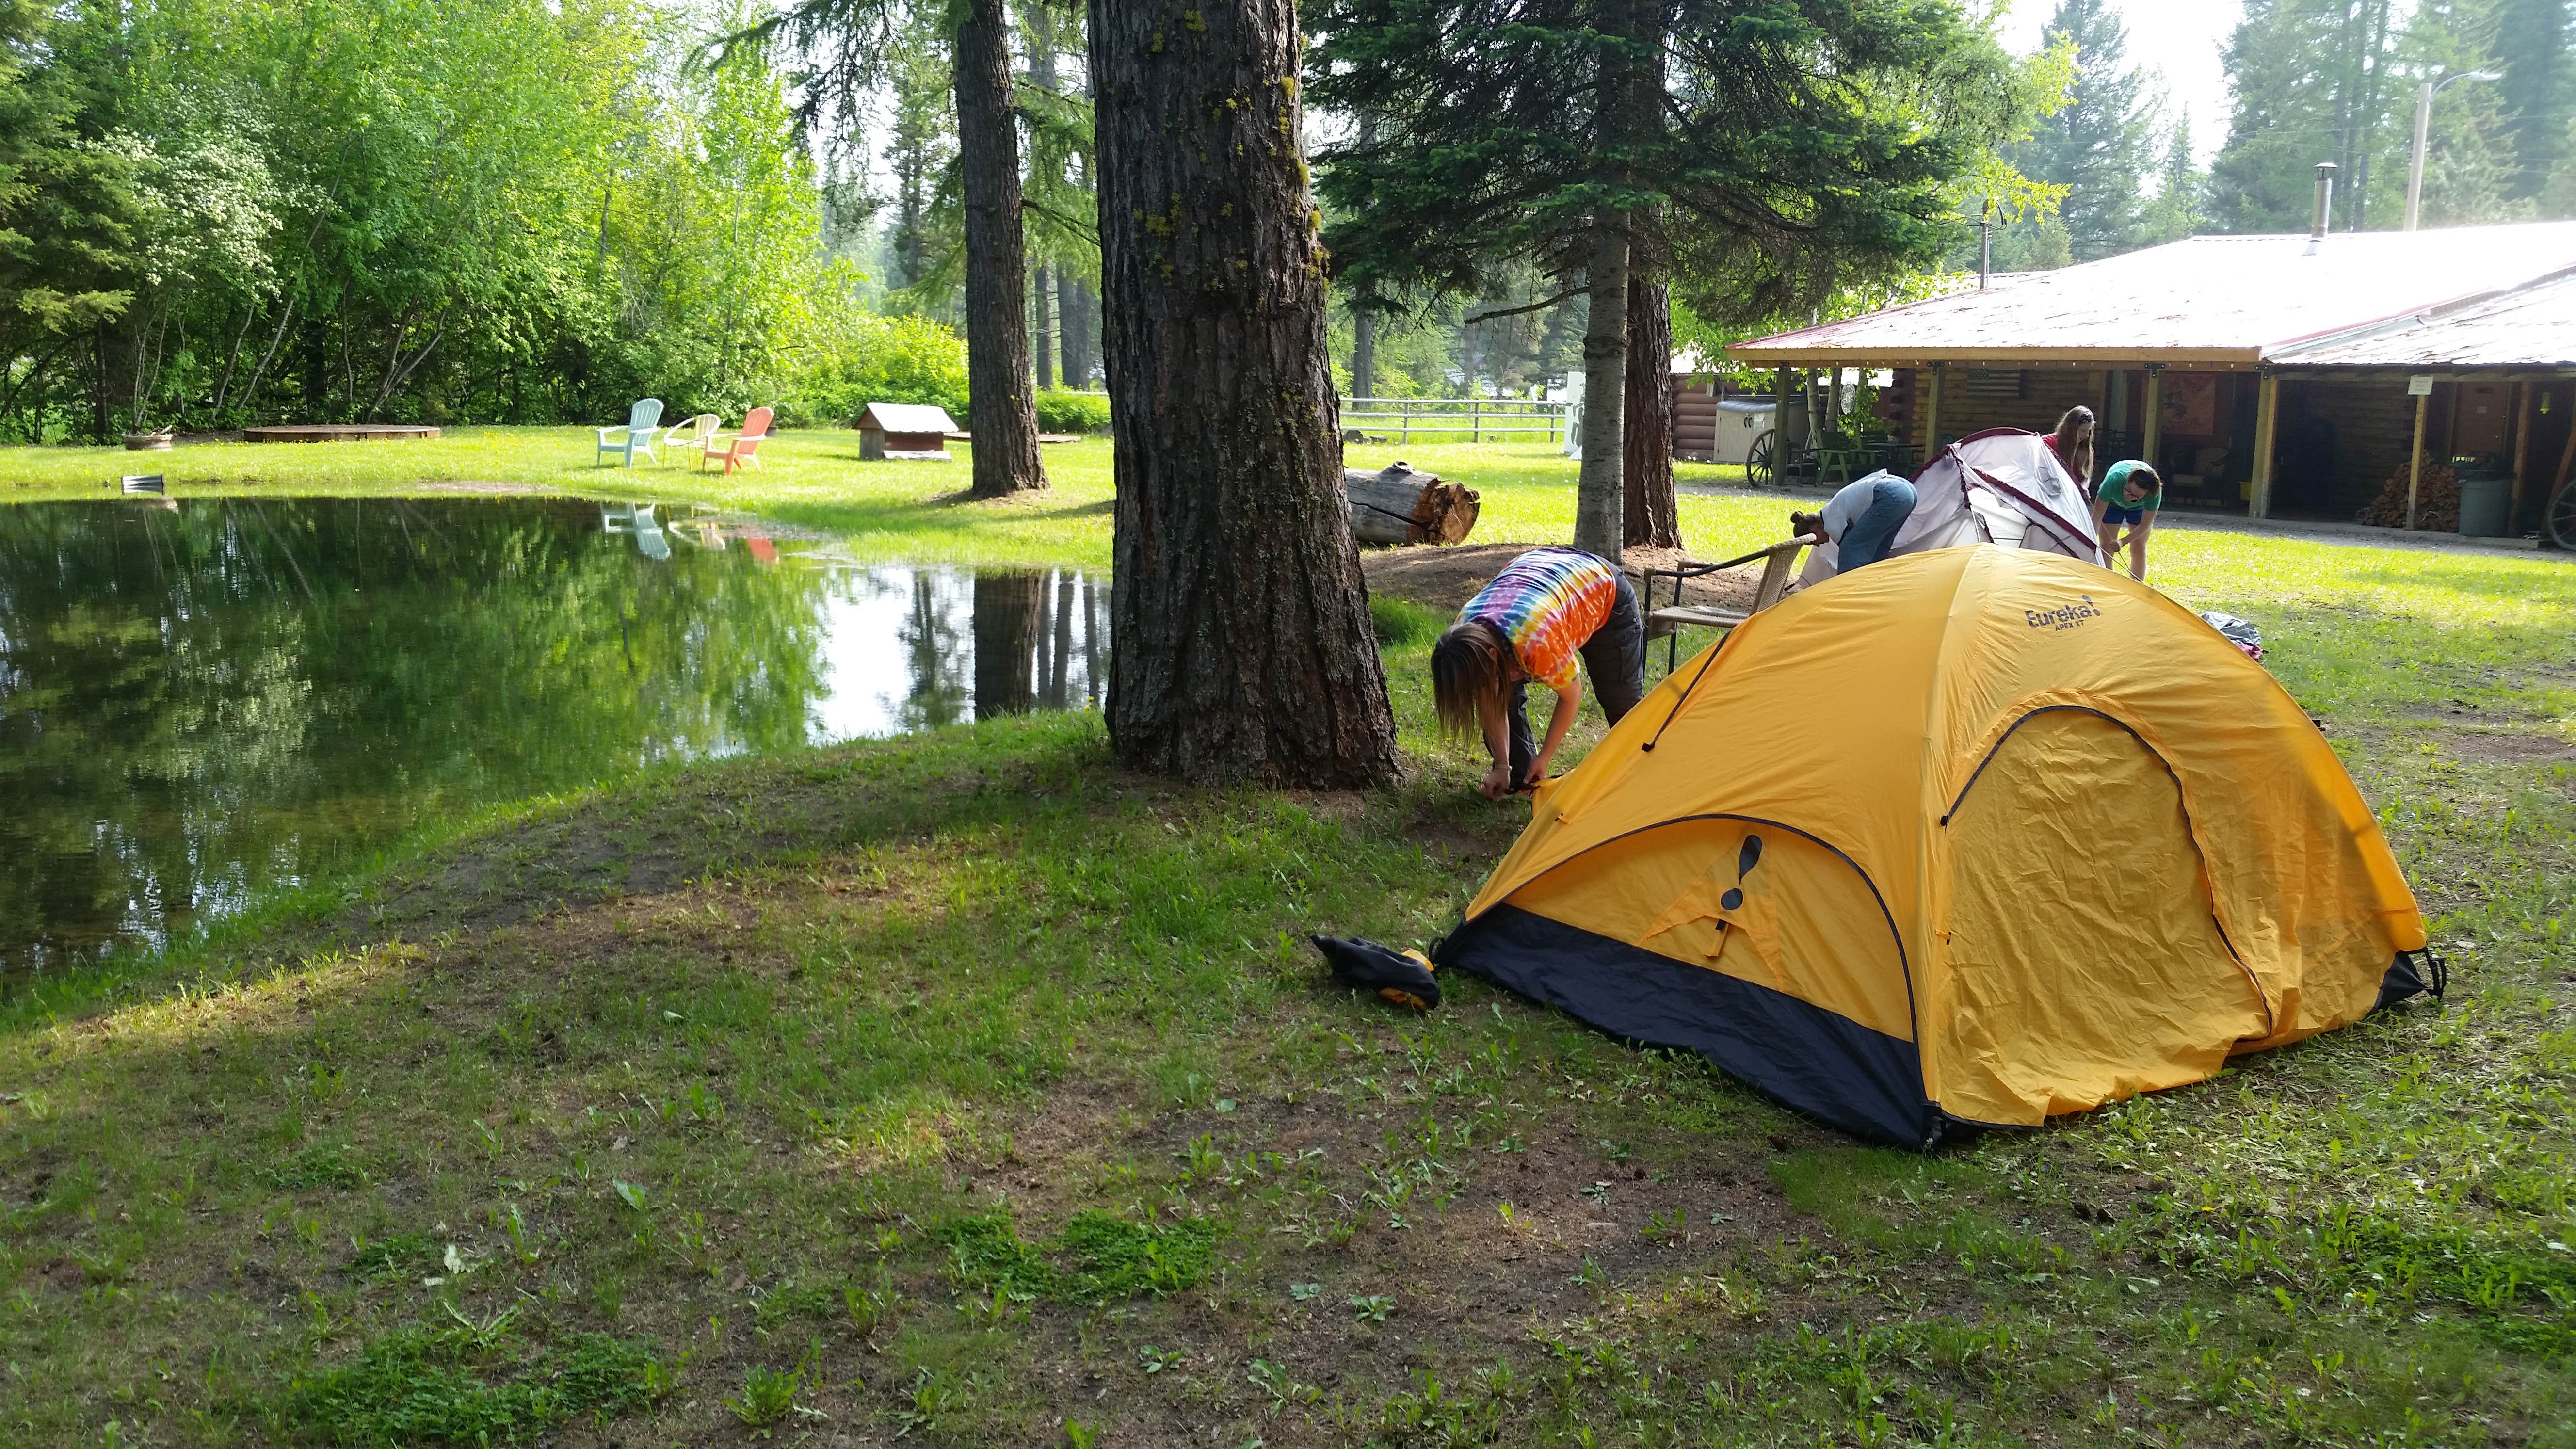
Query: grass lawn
x=967 y=1090
x=912 y=512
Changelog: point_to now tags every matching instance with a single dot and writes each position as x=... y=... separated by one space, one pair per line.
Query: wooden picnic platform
x=340 y=433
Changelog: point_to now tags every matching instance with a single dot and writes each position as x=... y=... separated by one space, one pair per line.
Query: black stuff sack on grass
x=1403 y=977
x=2239 y=632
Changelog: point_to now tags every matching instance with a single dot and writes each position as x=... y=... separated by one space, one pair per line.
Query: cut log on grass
x=1399 y=504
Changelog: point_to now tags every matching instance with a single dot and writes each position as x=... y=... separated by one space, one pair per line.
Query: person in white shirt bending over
x=1860 y=521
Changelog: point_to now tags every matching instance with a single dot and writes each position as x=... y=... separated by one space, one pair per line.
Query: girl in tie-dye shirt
x=1543 y=609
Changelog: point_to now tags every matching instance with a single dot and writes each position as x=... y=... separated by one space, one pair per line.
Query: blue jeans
x=1891 y=502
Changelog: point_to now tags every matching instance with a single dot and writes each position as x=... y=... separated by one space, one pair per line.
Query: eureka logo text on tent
x=2064 y=616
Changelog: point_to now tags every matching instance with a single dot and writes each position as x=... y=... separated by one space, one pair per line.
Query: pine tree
x=1245 y=649
x=2175 y=211
x=921 y=146
x=1591 y=136
x=2539 y=88
x=2097 y=144
x=2312 y=82
x=853 y=37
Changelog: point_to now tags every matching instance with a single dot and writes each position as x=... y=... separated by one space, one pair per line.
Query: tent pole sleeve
x=2267 y=412
x=2415 y=460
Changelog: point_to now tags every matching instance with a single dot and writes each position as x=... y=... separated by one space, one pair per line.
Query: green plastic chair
x=636 y=436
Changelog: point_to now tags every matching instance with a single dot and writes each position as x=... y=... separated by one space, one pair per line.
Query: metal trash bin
x=2486 y=500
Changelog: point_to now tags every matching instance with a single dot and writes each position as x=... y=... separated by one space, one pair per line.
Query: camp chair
x=742 y=447
x=1776 y=563
x=636 y=436
x=690 y=435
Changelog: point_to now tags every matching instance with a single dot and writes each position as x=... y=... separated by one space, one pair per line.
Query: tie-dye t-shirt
x=1547 y=603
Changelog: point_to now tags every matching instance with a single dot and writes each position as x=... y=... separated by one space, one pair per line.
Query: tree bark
x=1243 y=642
x=1073 y=324
x=1363 y=352
x=1649 y=514
x=999 y=411
x=1597 y=495
x=1006 y=642
x=1042 y=296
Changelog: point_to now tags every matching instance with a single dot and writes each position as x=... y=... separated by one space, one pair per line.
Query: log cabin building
x=2281 y=376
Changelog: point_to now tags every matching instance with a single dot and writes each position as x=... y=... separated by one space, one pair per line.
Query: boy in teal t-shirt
x=2131 y=494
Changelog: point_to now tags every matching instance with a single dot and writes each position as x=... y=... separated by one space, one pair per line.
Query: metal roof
x=2527 y=329
x=907 y=418
x=2210 y=301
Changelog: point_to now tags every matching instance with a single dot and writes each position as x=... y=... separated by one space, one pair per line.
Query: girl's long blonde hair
x=1467 y=669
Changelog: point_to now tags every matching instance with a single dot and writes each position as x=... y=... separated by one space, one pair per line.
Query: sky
x=2182 y=39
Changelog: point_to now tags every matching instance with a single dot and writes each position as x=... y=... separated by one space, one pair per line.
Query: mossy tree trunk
x=1244 y=649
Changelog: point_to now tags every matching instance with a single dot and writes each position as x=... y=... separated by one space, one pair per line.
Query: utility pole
x=2423 y=124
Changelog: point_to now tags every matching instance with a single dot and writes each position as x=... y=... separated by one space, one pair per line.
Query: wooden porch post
x=1932 y=414
x=2153 y=426
x=2521 y=454
x=1781 y=454
x=2415 y=458
x=2267 y=411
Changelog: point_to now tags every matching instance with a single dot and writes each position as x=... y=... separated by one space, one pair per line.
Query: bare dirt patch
x=1444 y=579
x=2509 y=747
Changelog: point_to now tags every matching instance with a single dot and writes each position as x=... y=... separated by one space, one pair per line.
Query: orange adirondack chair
x=742 y=447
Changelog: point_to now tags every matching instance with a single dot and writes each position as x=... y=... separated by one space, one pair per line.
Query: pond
x=202 y=700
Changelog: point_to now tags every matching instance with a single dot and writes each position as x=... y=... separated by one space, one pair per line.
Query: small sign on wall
x=2420 y=385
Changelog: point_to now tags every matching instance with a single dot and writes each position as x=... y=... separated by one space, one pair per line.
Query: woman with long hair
x=2073 y=445
x=1546 y=609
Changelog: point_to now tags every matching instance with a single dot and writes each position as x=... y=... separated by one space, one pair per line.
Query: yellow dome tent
x=1975 y=836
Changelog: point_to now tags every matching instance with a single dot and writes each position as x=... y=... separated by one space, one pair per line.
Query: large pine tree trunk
x=1649 y=514
x=1244 y=648
x=998 y=408
x=1597 y=495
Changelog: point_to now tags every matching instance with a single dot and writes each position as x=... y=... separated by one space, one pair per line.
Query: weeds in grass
x=315 y=1167
x=768 y=1395
x=401 y=1255
x=435 y=1385
x=1097 y=1257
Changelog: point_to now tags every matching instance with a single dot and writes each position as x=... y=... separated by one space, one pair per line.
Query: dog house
x=905 y=432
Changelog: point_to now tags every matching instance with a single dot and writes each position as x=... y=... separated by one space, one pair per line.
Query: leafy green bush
x=869 y=359
x=1060 y=411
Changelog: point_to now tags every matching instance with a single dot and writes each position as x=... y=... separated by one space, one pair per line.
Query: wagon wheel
x=2562 y=517
x=1762 y=461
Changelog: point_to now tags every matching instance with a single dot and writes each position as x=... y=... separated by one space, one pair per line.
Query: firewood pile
x=1400 y=504
x=2437 y=500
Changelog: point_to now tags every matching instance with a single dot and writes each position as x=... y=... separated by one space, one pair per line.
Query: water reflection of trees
x=199 y=704
x=935 y=658
x=1025 y=625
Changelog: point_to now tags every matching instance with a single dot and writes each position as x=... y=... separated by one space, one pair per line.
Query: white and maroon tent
x=2002 y=486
